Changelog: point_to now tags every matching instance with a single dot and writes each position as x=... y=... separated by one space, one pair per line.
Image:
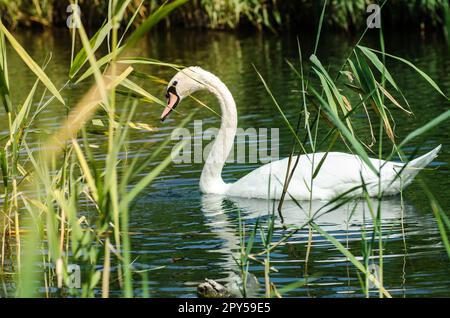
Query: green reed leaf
x=26 y=58
x=81 y=58
x=419 y=71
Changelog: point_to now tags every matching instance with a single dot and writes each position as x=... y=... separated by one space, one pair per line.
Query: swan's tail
x=413 y=167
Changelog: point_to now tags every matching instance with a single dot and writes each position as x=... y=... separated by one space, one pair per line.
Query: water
x=193 y=236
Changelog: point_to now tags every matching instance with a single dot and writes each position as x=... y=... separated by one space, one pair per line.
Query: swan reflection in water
x=221 y=216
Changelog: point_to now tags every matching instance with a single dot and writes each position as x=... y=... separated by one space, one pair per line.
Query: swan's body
x=339 y=173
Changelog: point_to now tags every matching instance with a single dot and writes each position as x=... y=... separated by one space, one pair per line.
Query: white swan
x=340 y=172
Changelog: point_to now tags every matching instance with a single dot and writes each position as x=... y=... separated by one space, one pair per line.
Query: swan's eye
x=175 y=83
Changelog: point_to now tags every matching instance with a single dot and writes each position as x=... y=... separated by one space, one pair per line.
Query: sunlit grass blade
x=140 y=91
x=86 y=170
x=151 y=176
x=148 y=61
x=319 y=29
x=440 y=215
x=425 y=128
x=82 y=112
x=384 y=71
x=131 y=21
x=24 y=110
x=286 y=121
x=379 y=65
x=98 y=64
x=424 y=75
x=368 y=83
x=26 y=58
x=82 y=56
x=4 y=83
x=359 y=149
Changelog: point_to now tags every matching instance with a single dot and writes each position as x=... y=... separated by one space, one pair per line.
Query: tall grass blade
x=419 y=71
x=4 y=85
x=428 y=126
x=344 y=131
x=82 y=56
x=31 y=63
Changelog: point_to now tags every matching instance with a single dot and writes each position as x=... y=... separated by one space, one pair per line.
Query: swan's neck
x=211 y=179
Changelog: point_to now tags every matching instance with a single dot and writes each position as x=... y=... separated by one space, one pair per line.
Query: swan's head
x=183 y=84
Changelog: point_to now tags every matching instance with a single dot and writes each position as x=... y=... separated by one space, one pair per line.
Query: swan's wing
x=264 y=182
x=339 y=172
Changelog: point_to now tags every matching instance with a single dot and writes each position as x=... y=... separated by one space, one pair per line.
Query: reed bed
x=72 y=207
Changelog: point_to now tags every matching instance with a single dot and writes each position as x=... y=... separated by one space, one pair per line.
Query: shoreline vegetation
x=262 y=15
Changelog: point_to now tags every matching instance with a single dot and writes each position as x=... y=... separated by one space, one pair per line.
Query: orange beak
x=172 y=102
